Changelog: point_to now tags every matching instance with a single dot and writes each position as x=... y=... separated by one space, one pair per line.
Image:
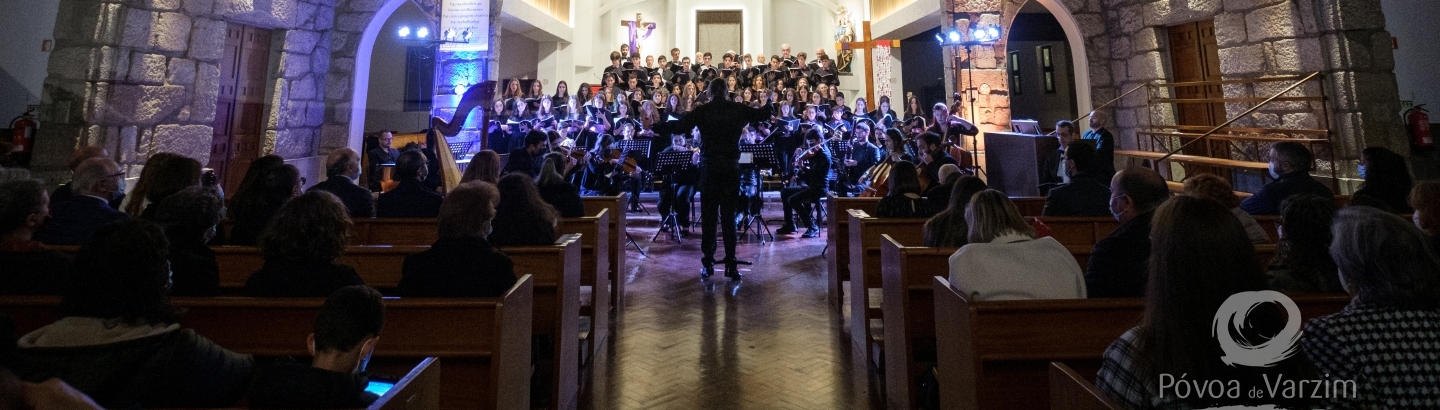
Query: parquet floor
x=766 y=342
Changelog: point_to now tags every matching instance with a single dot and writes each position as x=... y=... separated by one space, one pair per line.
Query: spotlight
x=994 y=33
x=449 y=34
x=404 y=31
x=422 y=32
x=939 y=39
x=465 y=35
x=460 y=88
x=954 y=36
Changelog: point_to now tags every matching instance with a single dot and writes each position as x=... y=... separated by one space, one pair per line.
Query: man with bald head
x=95 y=182
x=342 y=167
x=1117 y=267
x=65 y=192
x=1104 y=142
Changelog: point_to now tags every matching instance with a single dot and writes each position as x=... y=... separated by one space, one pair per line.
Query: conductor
x=720 y=122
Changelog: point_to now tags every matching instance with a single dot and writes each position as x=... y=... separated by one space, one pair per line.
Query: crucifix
x=635 y=26
x=867 y=45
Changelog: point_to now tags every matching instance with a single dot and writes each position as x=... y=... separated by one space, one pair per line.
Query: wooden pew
x=1079 y=230
x=394 y=231
x=618 y=272
x=594 y=275
x=556 y=269
x=865 y=234
x=379 y=266
x=485 y=342
x=995 y=354
x=837 y=244
x=1029 y=205
x=1071 y=391
x=909 y=309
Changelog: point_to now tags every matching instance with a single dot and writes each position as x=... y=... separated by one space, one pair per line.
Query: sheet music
x=747 y=158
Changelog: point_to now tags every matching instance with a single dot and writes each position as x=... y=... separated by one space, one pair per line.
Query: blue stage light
x=404 y=32
x=954 y=36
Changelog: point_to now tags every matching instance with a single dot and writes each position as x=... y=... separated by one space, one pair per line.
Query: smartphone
x=207 y=177
x=379 y=387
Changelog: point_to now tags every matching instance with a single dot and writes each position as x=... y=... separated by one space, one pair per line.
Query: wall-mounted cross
x=635 y=26
x=867 y=45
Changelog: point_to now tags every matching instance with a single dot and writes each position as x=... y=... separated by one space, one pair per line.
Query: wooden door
x=1195 y=56
x=240 y=106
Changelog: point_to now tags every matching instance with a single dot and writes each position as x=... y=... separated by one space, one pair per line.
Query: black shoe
x=811 y=233
x=707 y=271
x=785 y=230
x=732 y=272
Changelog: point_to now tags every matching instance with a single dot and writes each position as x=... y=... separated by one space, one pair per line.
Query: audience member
x=1290 y=164
x=1005 y=261
x=1386 y=339
x=1387 y=181
x=485 y=166
x=383 y=153
x=558 y=192
x=30 y=268
x=948 y=229
x=189 y=218
x=342 y=170
x=1187 y=285
x=118 y=339
x=938 y=196
x=522 y=218
x=95 y=182
x=255 y=203
x=300 y=248
x=1425 y=200
x=1087 y=193
x=903 y=200
x=410 y=199
x=67 y=191
x=164 y=174
x=1302 y=262
x=462 y=263
x=1118 y=262
x=346 y=332
x=1214 y=187
x=526 y=159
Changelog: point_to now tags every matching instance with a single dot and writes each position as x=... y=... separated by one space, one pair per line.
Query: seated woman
x=556 y=191
x=947 y=229
x=257 y=199
x=171 y=175
x=903 y=200
x=462 y=263
x=189 y=218
x=1186 y=287
x=1216 y=188
x=522 y=218
x=485 y=166
x=1387 y=181
x=1386 y=339
x=1302 y=261
x=118 y=339
x=300 y=249
x=1004 y=260
x=30 y=268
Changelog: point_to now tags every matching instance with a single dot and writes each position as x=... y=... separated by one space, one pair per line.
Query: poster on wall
x=465 y=25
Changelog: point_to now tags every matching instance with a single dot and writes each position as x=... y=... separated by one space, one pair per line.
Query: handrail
x=1106 y=104
x=1237 y=118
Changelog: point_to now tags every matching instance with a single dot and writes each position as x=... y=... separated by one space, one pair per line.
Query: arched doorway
x=1046 y=64
x=360 y=81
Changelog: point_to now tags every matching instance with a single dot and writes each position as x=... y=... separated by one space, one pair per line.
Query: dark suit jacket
x=1104 y=150
x=300 y=279
x=463 y=267
x=1085 y=195
x=521 y=161
x=565 y=198
x=1267 y=201
x=409 y=200
x=1118 y=264
x=74 y=221
x=356 y=198
x=30 y=269
x=63 y=193
x=193 y=270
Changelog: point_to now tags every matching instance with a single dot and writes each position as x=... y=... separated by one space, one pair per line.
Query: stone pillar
x=1358 y=62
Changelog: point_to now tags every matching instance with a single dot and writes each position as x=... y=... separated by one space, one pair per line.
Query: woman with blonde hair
x=1005 y=261
x=484 y=167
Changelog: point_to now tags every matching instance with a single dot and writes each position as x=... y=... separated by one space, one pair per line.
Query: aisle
x=767 y=342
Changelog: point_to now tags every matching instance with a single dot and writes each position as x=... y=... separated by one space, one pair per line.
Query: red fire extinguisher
x=1417 y=120
x=24 y=131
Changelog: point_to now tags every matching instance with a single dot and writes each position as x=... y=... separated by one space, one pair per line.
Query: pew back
x=618 y=238
x=865 y=234
x=556 y=269
x=837 y=241
x=906 y=272
x=594 y=275
x=1071 y=391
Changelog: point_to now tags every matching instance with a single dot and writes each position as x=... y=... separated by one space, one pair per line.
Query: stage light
x=422 y=32
x=404 y=32
x=465 y=35
x=939 y=39
x=994 y=33
x=460 y=89
x=449 y=34
x=954 y=36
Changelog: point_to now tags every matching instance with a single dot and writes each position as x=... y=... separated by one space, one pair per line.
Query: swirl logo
x=1242 y=352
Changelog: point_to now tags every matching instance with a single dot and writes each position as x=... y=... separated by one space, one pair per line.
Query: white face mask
x=1362 y=172
x=1415 y=218
x=1273 y=173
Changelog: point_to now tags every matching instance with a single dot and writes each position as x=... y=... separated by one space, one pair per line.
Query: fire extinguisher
x=1417 y=120
x=23 y=128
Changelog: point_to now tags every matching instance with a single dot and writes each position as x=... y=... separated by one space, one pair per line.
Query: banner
x=458 y=17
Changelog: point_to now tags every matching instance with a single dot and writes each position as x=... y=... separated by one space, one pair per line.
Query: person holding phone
x=346 y=332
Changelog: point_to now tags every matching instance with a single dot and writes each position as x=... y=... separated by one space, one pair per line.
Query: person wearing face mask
x=95 y=183
x=31 y=269
x=346 y=332
x=189 y=218
x=462 y=263
x=1118 y=265
x=1290 y=164
x=342 y=167
x=411 y=199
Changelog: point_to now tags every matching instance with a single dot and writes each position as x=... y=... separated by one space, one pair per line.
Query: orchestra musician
x=679 y=189
x=812 y=168
x=863 y=155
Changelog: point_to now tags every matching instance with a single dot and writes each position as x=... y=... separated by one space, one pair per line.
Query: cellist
x=863 y=155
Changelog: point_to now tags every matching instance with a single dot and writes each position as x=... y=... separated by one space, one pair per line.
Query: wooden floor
x=766 y=342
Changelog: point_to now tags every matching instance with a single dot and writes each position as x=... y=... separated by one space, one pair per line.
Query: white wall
x=1416 y=59
x=517 y=58
x=385 y=101
x=22 y=70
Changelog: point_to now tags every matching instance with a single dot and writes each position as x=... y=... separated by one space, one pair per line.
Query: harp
x=440 y=128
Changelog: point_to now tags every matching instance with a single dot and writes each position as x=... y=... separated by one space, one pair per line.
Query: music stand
x=668 y=165
x=839 y=152
x=760 y=156
x=641 y=150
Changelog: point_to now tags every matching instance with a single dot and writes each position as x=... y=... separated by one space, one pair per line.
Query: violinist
x=952 y=131
x=863 y=155
x=750 y=198
x=812 y=169
x=678 y=191
x=932 y=157
x=626 y=171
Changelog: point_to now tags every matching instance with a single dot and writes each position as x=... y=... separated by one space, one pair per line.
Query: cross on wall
x=868 y=44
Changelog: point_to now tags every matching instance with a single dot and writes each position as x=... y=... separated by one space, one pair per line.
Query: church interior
x=907 y=171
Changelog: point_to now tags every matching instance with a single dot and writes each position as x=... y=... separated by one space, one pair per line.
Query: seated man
x=382 y=154
x=812 y=177
x=342 y=167
x=1118 y=265
x=1086 y=194
x=65 y=192
x=528 y=159
x=346 y=332
x=411 y=199
x=30 y=268
x=1290 y=164
x=95 y=183
x=462 y=263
